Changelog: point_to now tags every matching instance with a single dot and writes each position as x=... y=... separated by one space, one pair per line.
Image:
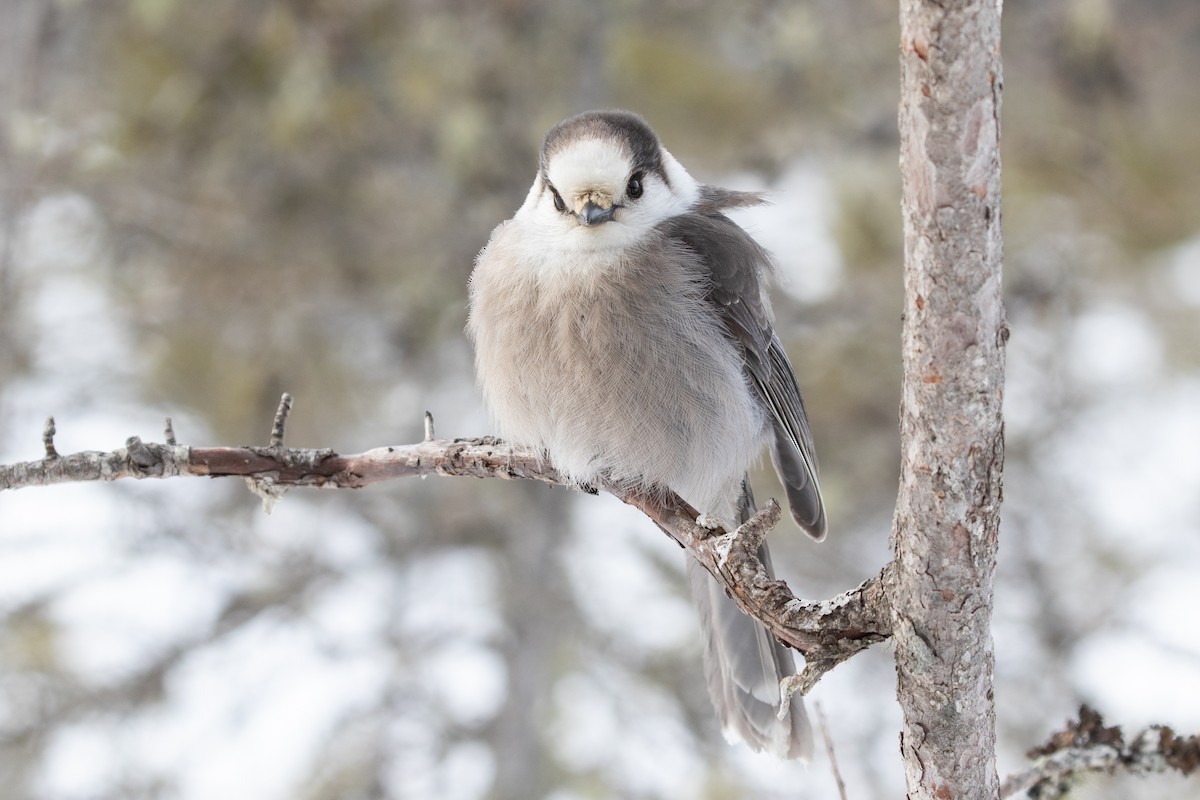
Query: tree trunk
x=952 y=445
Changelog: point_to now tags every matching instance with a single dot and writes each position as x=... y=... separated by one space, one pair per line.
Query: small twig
x=428 y=426
x=169 y=432
x=814 y=669
x=267 y=486
x=48 y=438
x=837 y=774
x=281 y=416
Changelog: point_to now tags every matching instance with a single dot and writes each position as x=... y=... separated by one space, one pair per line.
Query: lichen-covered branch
x=1086 y=745
x=826 y=633
x=479 y=458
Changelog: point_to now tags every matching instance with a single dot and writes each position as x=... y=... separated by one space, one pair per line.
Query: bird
x=621 y=326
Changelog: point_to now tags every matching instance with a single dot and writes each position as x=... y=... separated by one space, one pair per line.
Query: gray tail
x=743 y=665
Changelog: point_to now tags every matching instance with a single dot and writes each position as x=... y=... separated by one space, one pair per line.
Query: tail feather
x=743 y=666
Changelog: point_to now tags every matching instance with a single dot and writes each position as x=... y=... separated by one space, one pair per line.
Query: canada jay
x=621 y=324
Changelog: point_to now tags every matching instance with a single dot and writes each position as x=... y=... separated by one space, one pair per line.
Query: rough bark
x=947 y=513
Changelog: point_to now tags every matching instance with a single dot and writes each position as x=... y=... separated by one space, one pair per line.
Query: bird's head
x=606 y=170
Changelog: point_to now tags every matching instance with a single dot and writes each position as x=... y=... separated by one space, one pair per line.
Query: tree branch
x=827 y=633
x=1086 y=745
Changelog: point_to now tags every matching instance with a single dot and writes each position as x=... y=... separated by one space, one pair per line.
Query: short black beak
x=593 y=214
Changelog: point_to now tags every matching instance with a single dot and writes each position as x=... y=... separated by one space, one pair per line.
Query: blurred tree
x=205 y=204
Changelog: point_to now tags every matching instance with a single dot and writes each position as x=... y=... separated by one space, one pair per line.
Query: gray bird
x=621 y=324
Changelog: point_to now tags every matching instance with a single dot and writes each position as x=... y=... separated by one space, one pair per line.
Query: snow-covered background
x=201 y=211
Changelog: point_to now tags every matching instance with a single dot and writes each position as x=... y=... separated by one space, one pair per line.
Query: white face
x=595 y=177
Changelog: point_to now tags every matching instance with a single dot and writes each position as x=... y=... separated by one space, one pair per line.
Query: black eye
x=558 y=201
x=634 y=189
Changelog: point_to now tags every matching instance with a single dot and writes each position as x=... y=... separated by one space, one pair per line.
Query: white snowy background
x=272 y=656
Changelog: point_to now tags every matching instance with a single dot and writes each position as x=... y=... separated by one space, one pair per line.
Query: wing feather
x=735 y=266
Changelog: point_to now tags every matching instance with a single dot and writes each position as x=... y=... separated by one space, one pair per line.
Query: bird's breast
x=617 y=366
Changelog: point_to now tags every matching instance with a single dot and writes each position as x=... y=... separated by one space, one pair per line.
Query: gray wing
x=735 y=263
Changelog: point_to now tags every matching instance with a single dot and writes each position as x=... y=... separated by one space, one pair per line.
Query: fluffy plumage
x=620 y=323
